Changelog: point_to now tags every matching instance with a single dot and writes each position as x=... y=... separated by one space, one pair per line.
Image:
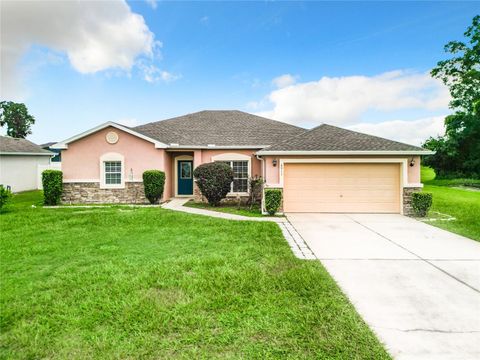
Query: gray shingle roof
x=13 y=145
x=48 y=144
x=331 y=138
x=221 y=128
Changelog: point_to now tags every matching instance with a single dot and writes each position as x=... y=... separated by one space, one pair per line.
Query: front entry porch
x=183 y=170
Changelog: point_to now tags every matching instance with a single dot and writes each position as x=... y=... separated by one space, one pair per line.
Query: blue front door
x=185 y=177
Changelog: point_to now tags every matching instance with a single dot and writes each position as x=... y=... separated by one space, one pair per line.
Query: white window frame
x=107 y=158
x=230 y=157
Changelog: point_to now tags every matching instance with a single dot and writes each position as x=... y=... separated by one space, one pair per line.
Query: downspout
x=263 y=187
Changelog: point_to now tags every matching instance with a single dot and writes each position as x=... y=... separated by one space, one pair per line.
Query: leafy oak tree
x=458 y=151
x=17 y=119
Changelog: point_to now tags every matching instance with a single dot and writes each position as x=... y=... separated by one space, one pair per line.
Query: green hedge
x=154 y=183
x=5 y=196
x=273 y=200
x=52 y=181
x=421 y=203
x=213 y=180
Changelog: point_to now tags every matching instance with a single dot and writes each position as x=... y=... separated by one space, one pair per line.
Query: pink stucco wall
x=272 y=174
x=414 y=171
x=81 y=161
x=207 y=154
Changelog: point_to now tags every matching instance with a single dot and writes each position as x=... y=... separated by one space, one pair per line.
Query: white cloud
x=342 y=100
x=284 y=80
x=94 y=35
x=413 y=132
x=153 y=3
x=153 y=74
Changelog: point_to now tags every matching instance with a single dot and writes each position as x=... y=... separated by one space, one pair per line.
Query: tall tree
x=458 y=151
x=17 y=119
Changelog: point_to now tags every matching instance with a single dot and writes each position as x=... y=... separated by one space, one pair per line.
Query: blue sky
x=361 y=65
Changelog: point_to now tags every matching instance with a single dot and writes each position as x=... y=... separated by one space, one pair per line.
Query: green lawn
x=226 y=208
x=448 y=198
x=151 y=283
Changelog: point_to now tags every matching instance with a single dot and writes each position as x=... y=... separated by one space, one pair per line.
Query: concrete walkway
x=295 y=241
x=417 y=286
x=177 y=205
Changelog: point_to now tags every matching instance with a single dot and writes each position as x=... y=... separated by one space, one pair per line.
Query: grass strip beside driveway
x=462 y=204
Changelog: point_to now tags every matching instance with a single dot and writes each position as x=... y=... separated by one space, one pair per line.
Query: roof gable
x=64 y=144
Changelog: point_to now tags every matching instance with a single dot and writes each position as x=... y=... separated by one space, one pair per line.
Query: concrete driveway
x=417 y=286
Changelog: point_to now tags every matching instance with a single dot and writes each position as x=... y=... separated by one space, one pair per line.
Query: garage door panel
x=342 y=188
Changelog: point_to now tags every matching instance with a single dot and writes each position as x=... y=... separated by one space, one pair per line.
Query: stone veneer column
x=197 y=161
x=407 y=199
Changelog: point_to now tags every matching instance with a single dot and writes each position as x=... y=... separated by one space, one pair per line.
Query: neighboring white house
x=20 y=161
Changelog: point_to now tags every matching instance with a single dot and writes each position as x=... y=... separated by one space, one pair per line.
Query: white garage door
x=342 y=188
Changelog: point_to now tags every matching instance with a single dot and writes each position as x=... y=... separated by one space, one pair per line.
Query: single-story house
x=20 y=160
x=325 y=169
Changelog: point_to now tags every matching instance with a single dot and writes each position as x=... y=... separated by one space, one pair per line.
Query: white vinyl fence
x=41 y=168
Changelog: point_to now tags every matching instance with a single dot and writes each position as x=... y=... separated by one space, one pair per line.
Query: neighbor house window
x=240 y=175
x=113 y=172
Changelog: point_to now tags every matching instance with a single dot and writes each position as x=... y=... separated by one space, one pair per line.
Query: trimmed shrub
x=421 y=203
x=154 y=183
x=5 y=196
x=52 y=181
x=273 y=200
x=213 y=180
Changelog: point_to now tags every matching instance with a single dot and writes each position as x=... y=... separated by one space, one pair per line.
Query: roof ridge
x=206 y=111
x=204 y=124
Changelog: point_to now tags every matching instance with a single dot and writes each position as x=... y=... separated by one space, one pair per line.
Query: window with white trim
x=240 y=175
x=113 y=172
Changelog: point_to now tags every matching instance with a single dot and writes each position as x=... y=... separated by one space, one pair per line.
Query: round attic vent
x=111 y=137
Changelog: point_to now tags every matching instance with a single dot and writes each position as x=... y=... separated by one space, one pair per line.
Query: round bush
x=273 y=200
x=213 y=180
x=153 y=183
x=421 y=203
x=52 y=181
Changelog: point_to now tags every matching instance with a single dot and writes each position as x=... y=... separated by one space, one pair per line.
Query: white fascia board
x=64 y=144
x=27 y=153
x=397 y=153
x=217 y=147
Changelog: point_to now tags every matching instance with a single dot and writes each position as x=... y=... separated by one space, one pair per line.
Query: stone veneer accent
x=407 y=199
x=133 y=193
x=198 y=197
x=90 y=193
